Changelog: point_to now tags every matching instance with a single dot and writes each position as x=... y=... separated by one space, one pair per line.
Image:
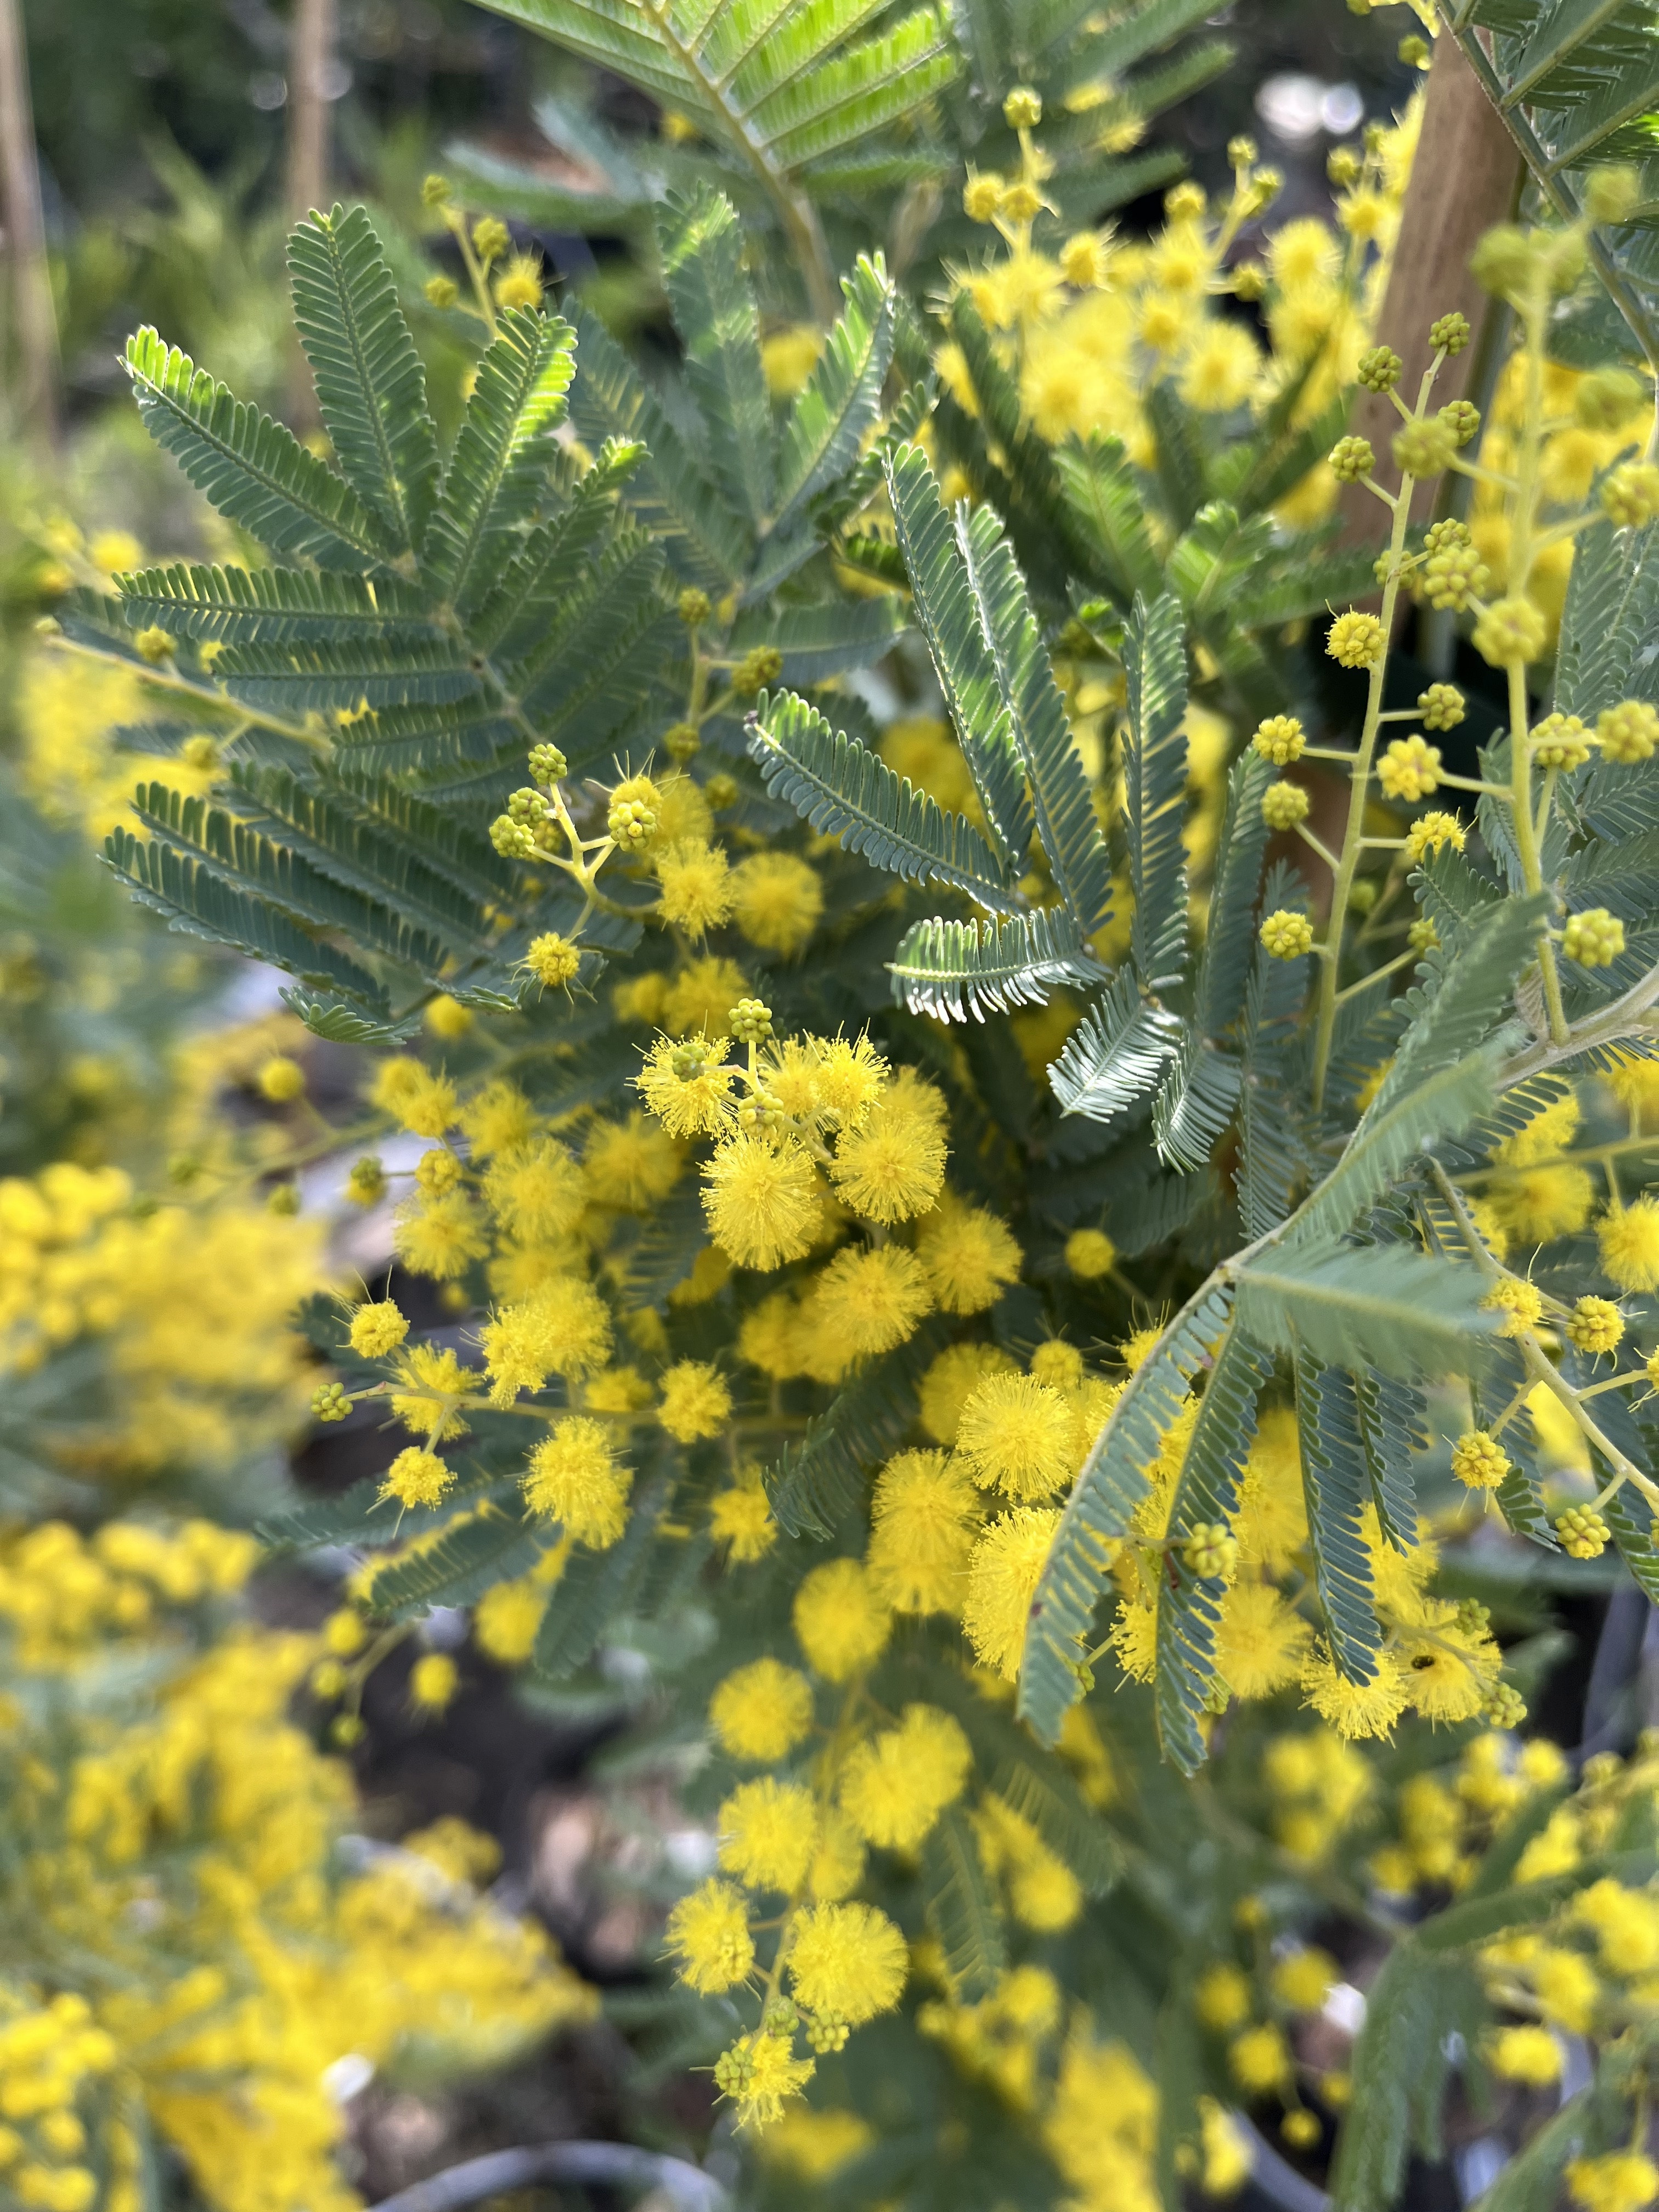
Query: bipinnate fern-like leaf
x=1335 y=1492
x=1363 y=1306
x=254 y=471
x=781 y=89
x=273 y=605
x=962 y=1911
x=669 y=493
x=503 y=453
x=935 y=546
x=842 y=398
x=1206 y=1492
x=700 y=248
x=846 y=791
x=1116 y=1053
x=1155 y=787
x=956 y=970
x=371 y=387
x=1101 y=1508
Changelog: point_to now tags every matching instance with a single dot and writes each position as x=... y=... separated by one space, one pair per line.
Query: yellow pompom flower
x=280 y=1079
x=1617 y=2181
x=769 y=1831
x=417 y=1101
x=696 y=1401
x=924 y=1516
x=889 y=1164
x=1527 y=2054
x=564 y=1329
x=777 y=900
x=574 y=1478
x=418 y=1477
x=1222 y=1997
x=1004 y=1570
x=506 y=1622
x=1520 y=1304
x=499 y=1119
x=1356 y=640
x=1595 y=1326
x=1303 y=1977
x=760 y=2073
x=377 y=1329
x=538 y=1191
x=1259 y=2058
x=440 y=1236
x=895 y=1786
x=1358 y=1709
x=1629 y=731
x=762 y=1201
x=1287 y=936
x=700 y=997
x=1279 y=739
x=433 y=1681
x=1628 y=1237
x=687 y=1087
x=741 y=1519
x=867 y=1302
x=1541 y=1204
x=629 y=1163
x=840 y=1622
x=1431 y=831
x=1262 y=1641
x=951 y=1380
x=1593 y=938
x=763 y=1710
x=1479 y=1461
x=708 y=1933
x=553 y=960
x=1409 y=768
x=1090 y=1254
x=847 y=1962
x=697 y=889
x=969 y=1256
x=1017 y=1433
x=1510 y=632
x=769 y=1337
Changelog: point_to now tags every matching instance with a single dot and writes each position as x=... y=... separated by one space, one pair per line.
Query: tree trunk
x=33 y=319
x=311 y=57
x=1464 y=180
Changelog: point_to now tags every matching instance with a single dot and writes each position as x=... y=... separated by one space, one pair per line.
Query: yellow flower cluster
x=186 y=1954
x=1092 y=326
x=192 y=1300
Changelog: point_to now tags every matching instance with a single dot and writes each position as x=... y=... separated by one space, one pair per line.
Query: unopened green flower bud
x=751 y=1021
x=1611 y=193
x=1423 y=448
x=1023 y=108
x=1379 y=368
x=1450 y=333
x=548 y=765
x=1351 y=458
x=1462 y=417
x=693 y=606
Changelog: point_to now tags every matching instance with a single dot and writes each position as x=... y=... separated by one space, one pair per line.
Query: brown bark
x=33 y=320
x=311 y=51
x=1464 y=180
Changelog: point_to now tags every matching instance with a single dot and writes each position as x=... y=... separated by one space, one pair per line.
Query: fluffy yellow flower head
x=564 y=1328
x=420 y=1102
x=1628 y=1237
x=708 y=1933
x=629 y=1163
x=895 y=1786
x=1003 y=1572
x=763 y=1710
x=377 y=1329
x=1358 y=1709
x=890 y=1164
x=778 y=899
x=741 y=1518
x=536 y=1191
x=762 y=1201
x=969 y=1256
x=697 y=889
x=696 y=1401
x=840 y=1622
x=951 y=1380
x=924 y=1515
x=1090 y=1254
x=866 y=1301
x=1017 y=1433
x=574 y=1478
x=847 y=1962
x=418 y=1477
x=769 y=1831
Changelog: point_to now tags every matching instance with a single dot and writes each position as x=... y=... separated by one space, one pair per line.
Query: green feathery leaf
x=952 y=969
x=1116 y=1054
x=371 y=387
x=713 y=301
x=1336 y=1492
x=253 y=470
x=1155 y=789
x=1361 y=1306
x=846 y=791
x=842 y=396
